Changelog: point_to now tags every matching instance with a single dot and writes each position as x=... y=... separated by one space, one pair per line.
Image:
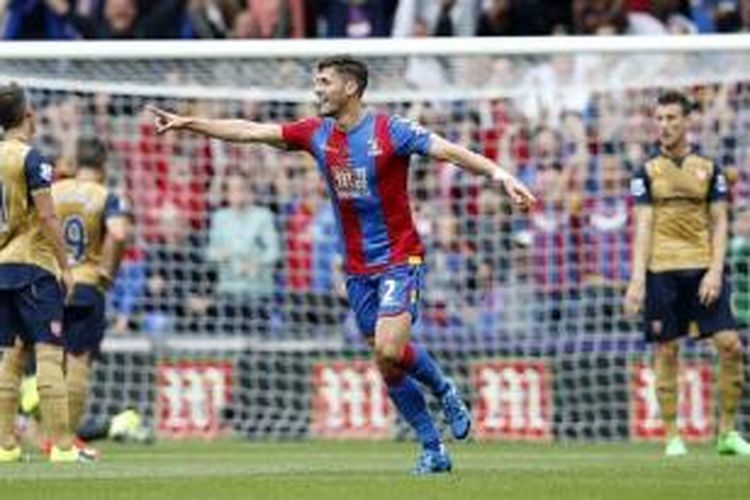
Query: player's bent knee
x=666 y=386
x=728 y=344
x=386 y=356
x=667 y=351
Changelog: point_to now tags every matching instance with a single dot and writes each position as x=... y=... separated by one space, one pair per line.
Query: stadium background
x=209 y=337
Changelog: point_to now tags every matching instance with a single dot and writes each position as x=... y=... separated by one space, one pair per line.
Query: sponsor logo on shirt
x=350 y=182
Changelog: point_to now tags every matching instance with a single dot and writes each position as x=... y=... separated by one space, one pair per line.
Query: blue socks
x=418 y=363
x=409 y=400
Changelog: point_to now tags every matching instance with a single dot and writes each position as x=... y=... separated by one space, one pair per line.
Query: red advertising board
x=695 y=409
x=191 y=396
x=350 y=401
x=513 y=399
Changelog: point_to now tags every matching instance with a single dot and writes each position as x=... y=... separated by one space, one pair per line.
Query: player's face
x=332 y=90
x=672 y=124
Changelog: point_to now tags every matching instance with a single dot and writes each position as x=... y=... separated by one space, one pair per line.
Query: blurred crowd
x=211 y=19
x=240 y=240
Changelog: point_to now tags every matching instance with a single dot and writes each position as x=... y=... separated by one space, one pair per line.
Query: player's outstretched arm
x=228 y=130
x=444 y=150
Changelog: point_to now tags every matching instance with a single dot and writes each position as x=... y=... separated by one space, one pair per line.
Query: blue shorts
x=32 y=312
x=389 y=293
x=84 y=322
x=673 y=306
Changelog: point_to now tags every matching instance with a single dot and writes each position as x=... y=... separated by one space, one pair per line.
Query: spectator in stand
x=36 y=20
x=126 y=295
x=591 y=17
x=450 y=269
x=171 y=171
x=661 y=17
x=606 y=239
x=518 y=306
x=178 y=284
x=213 y=18
x=313 y=276
x=556 y=241
x=436 y=18
x=244 y=245
x=128 y=19
x=524 y=17
x=354 y=18
x=271 y=19
x=730 y=16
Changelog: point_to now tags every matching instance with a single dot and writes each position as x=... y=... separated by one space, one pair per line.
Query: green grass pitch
x=375 y=470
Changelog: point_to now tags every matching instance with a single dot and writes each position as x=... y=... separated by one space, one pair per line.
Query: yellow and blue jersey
x=26 y=254
x=84 y=208
x=680 y=191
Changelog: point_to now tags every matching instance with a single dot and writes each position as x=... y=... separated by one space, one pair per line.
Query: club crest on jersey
x=721 y=183
x=350 y=182
x=45 y=171
x=373 y=148
x=656 y=327
x=637 y=187
x=56 y=328
x=701 y=174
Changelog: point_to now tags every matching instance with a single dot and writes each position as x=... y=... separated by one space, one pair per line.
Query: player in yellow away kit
x=96 y=228
x=32 y=260
x=678 y=271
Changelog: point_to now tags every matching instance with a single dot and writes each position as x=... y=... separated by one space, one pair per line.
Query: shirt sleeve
x=298 y=135
x=409 y=137
x=38 y=171
x=640 y=187
x=114 y=207
x=717 y=190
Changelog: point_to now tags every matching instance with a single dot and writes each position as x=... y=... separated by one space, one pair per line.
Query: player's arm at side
x=644 y=219
x=719 y=231
x=444 y=150
x=228 y=130
x=38 y=180
x=119 y=231
x=719 y=213
x=710 y=286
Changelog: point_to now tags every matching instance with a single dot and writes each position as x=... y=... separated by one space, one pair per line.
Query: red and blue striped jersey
x=366 y=170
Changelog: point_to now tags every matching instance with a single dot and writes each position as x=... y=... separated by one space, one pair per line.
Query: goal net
x=229 y=315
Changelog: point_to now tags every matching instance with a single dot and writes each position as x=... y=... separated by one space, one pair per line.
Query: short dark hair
x=91 y=153
x=349 y=66
x=12 y=106
x=675 y=97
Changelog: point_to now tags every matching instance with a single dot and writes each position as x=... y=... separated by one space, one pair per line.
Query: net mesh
x=229 y=314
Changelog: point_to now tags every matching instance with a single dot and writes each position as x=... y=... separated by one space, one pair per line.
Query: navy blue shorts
x=32 y=312
x=84 y=322
x=389 y=293
x=673 y=308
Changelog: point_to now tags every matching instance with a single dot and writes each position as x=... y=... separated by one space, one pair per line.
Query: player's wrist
x=499 y=175
x=716 y=270
x=638 y=281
